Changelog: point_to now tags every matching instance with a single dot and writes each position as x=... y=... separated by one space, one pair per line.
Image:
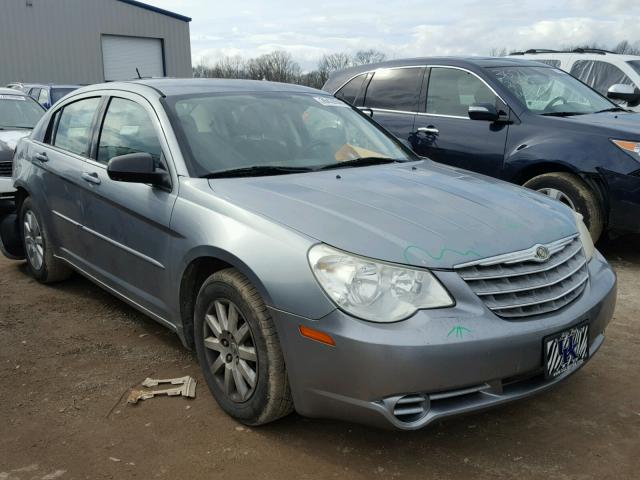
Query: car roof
x=180 y=86
x=12 y=91
x=338 y=78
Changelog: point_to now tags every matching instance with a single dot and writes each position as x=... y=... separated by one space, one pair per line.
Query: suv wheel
x=42 y=265
x=573 y=192
x=238 y=350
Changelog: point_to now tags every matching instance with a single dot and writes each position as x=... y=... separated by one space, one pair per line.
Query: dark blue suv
x=517 y=120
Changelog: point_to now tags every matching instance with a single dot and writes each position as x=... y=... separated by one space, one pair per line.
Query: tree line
x=279 y=66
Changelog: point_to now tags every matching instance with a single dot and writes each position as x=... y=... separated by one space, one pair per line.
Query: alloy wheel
x=230 y=350
x=557 y=195
x=33 y=240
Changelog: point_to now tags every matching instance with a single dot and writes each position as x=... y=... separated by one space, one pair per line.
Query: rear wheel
x=573 y=192
x=42 y=265
x=238 y=350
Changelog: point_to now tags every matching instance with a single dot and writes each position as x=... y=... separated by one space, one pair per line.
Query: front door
x=129 y=222
x=446 y=134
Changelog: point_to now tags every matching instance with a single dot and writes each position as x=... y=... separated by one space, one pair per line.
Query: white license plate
x=566 y=351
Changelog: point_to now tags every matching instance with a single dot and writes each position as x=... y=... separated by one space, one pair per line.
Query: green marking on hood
x=436 y=256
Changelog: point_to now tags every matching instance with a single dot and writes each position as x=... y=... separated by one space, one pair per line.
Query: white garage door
x=122 y=55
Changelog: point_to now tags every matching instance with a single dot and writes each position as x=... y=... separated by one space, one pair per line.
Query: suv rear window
x=395 y=89
x=599 y=75
x=350 y=91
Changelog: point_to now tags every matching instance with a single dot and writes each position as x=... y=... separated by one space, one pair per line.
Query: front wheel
x=238 y=350
x=573 y=192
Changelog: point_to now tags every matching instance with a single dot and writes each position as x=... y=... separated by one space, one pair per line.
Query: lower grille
x=6 y=169
x=520 y=284
x=410 y=408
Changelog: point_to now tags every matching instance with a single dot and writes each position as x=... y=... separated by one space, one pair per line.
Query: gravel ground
x=70 y=352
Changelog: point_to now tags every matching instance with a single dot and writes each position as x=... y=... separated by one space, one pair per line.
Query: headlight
x=585 y=236
x=632 y=148
x=372 y=290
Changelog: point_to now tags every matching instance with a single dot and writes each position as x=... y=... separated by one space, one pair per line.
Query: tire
x=41 y=263
x=225 y=353
x=573 y=192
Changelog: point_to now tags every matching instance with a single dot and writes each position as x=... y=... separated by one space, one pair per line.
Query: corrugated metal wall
x=59 y=41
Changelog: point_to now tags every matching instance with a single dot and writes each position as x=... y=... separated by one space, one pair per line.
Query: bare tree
x=365 y=57
x=332 y=62
x=498 y=52
x=276 y=66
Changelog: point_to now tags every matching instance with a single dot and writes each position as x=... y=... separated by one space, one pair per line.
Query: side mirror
x=483 y=111
x=367 y=111
x=626 y=93
x=136 y=168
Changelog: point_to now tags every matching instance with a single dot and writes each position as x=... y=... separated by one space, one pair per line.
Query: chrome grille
x=520 y=285
x=5 y=169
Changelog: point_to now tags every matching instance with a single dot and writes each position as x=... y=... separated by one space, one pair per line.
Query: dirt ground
x=69 y=352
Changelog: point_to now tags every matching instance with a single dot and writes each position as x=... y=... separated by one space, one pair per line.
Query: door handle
x=42 y=157
x=430 y=130
x=91 y=178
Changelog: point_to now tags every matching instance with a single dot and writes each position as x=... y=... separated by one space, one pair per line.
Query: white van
x=600 y=69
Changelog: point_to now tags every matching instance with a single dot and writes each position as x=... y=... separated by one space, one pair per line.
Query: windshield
x=17 y=111
x=274 y=129
x=58 y=93
x=635 y=64
x=550 y=91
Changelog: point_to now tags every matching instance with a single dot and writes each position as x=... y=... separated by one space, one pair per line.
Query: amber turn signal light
x=317 y=336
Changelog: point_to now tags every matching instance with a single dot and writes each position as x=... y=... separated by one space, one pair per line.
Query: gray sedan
x=311 y=260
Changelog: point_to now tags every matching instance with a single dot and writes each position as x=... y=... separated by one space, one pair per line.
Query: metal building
x=90 y=41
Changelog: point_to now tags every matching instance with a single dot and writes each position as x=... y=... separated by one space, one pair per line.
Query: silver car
x=311 y=260
x=19 y=113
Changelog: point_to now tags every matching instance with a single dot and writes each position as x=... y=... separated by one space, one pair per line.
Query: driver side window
x=451 y=91
x=127 y=128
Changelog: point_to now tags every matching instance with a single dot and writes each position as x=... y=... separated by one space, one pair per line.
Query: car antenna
x=138 y=72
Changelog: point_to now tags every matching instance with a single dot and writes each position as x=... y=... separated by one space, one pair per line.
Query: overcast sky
x=400 y=28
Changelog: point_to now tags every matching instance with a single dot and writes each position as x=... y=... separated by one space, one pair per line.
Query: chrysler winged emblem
x=542 y=254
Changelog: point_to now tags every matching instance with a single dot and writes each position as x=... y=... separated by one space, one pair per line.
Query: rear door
x=60 y=160
x=128 y=223
x=445 y=133
x=393 y=95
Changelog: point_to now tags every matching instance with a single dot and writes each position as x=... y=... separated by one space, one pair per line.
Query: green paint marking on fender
x=459 y=331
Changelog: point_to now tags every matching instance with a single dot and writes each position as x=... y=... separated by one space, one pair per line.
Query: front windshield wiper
x=360 y=162
x=562 y=114
x=256 y=171
x=14 y=127
x=612 y=109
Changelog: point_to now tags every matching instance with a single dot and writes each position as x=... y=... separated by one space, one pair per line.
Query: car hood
x=622 y=122
x=421 y=213
x=8 y=141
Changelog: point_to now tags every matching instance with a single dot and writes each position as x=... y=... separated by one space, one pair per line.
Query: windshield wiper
x=360 y=162
x=256 y=171
x=562 y=114
x=14 y=127
x=612 y=109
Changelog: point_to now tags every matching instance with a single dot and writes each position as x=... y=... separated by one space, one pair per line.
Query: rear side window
x=74 y=126
x=395 y=89
x=451 y=91
x=349 y=93
x=126 y=129
x=43 y=97
x=599 y=75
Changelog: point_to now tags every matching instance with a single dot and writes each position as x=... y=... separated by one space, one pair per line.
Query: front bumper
x=486 y=362
x=7 y=192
